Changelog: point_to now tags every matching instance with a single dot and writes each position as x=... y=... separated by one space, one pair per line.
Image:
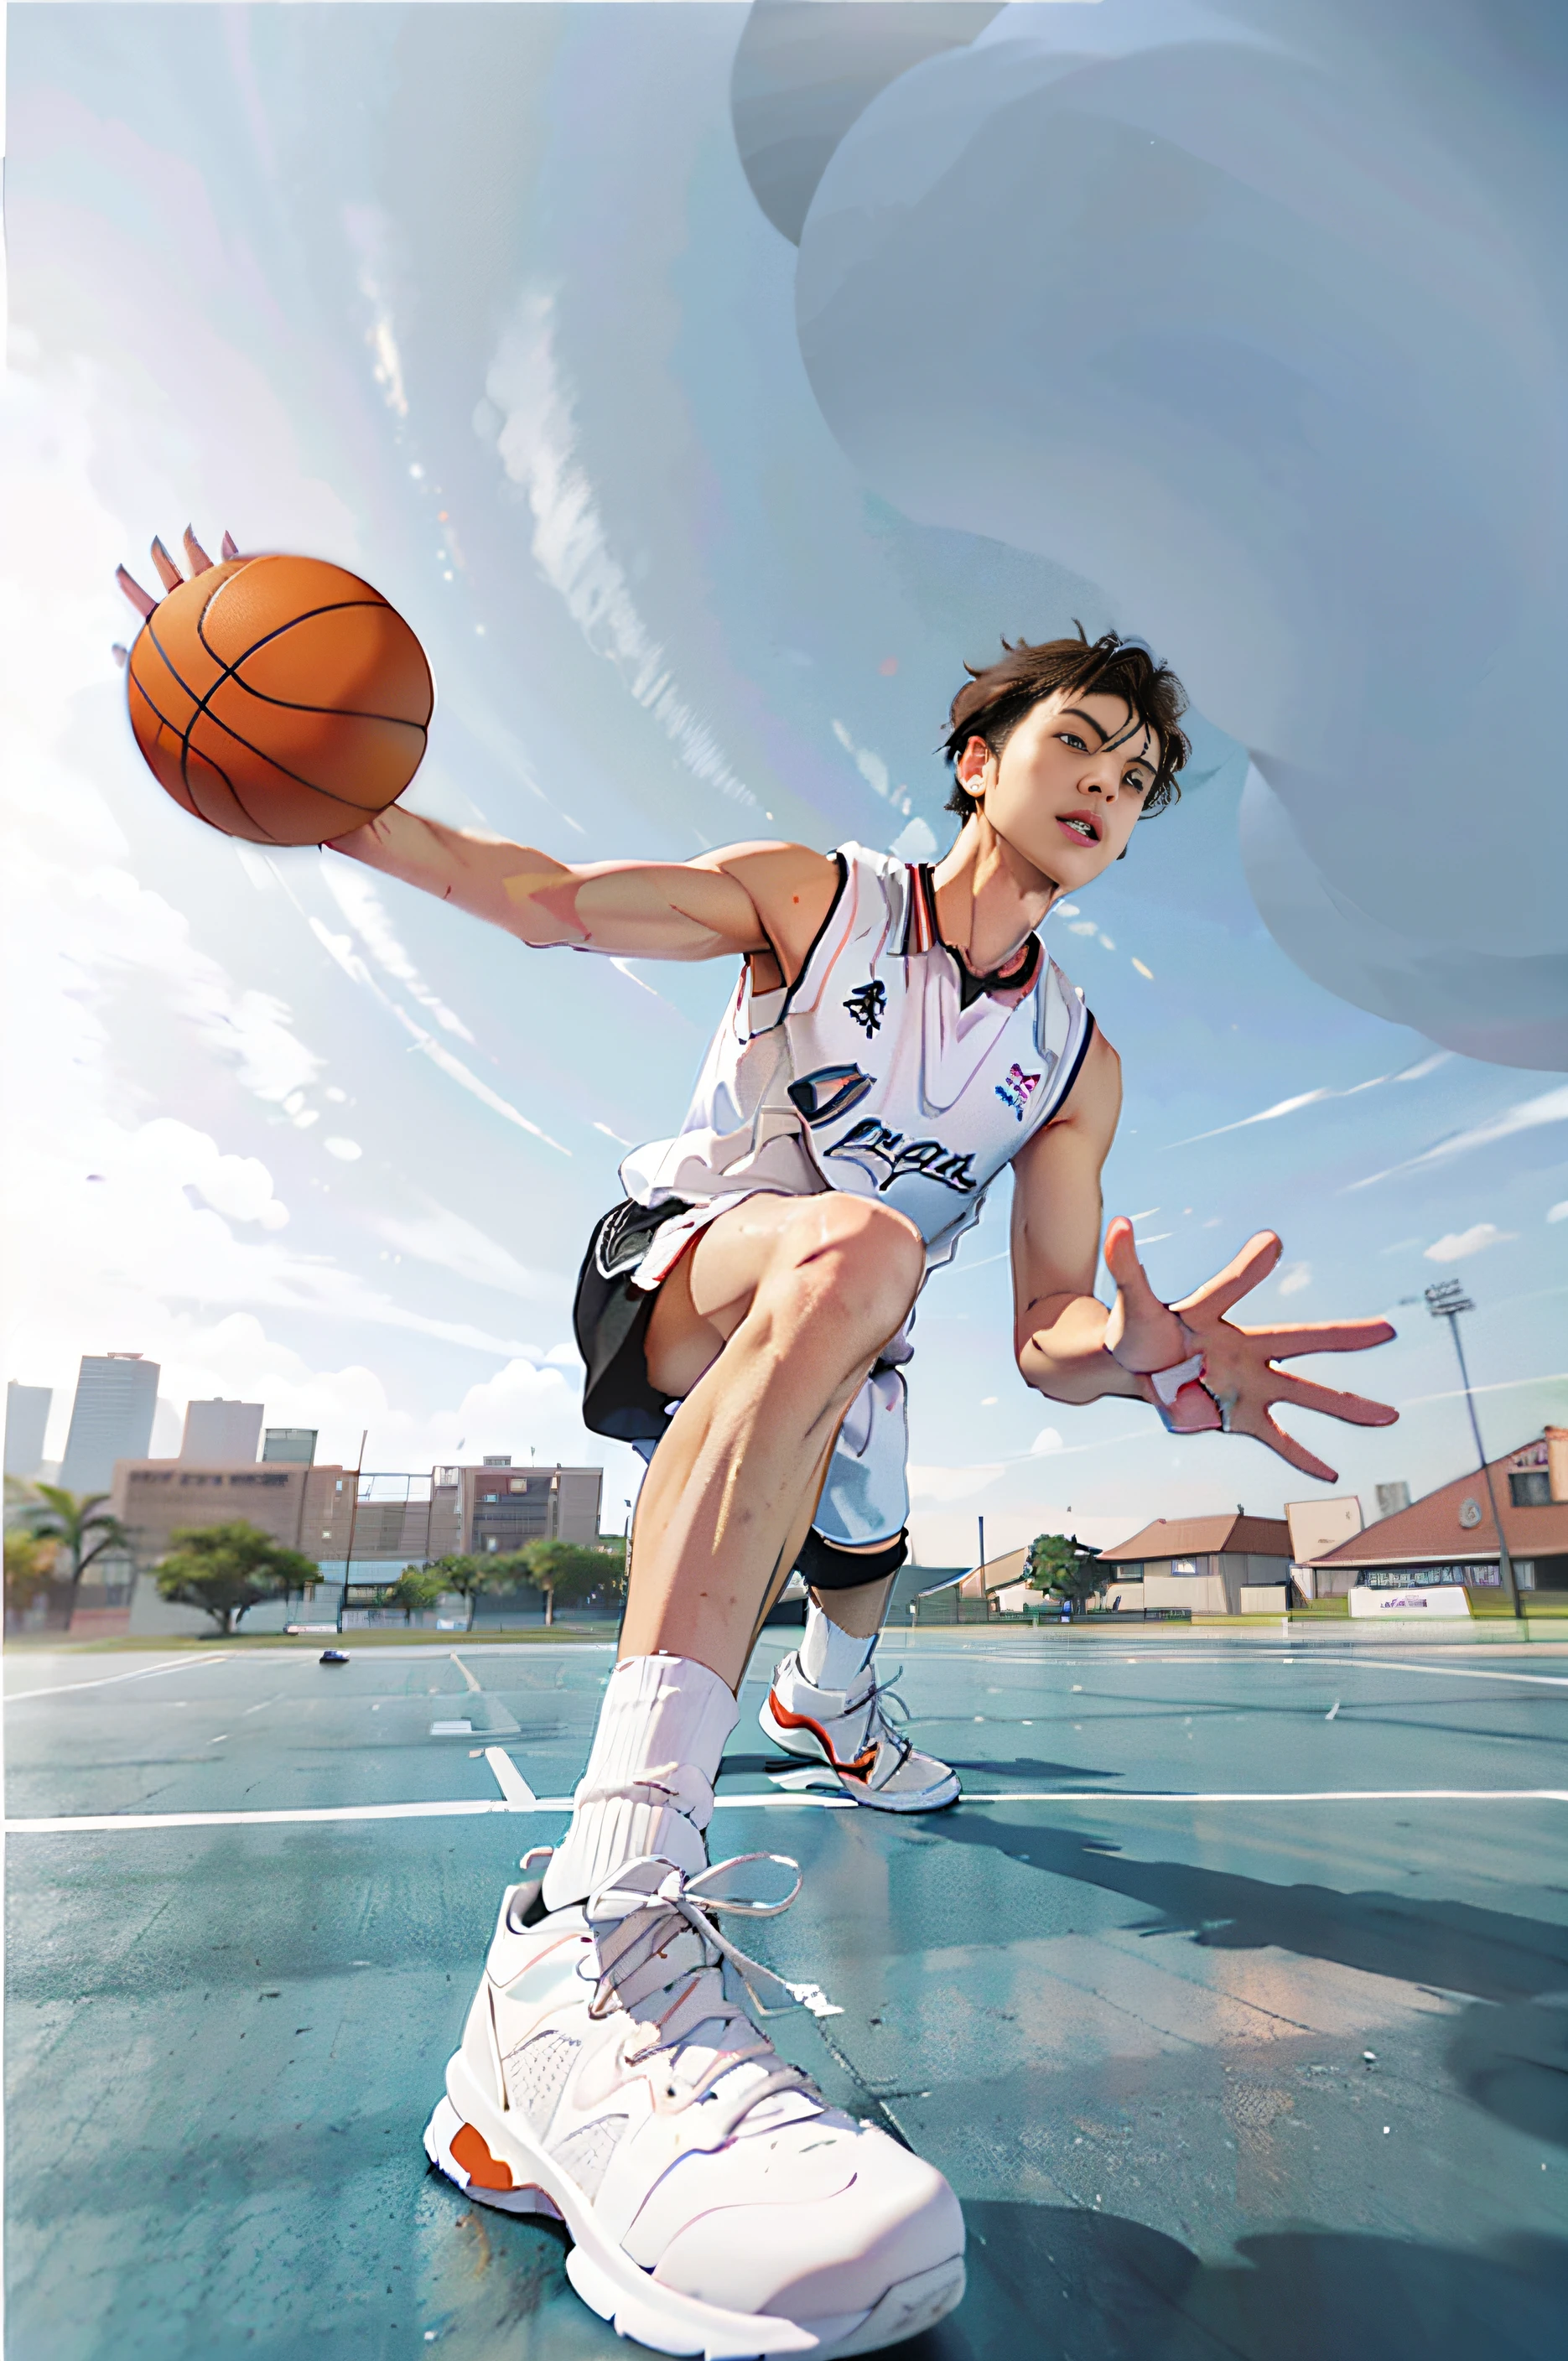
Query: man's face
x=1069 y=785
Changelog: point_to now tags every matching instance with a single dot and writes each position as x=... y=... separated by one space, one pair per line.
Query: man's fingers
x=1331 y=1336
x=229 y=547
x=169 y=574
x=1240 y=1275
x=1355 y=1409
x=1262 y=1428
x=142 y=601
x=1121 y=1262
x=195 y=556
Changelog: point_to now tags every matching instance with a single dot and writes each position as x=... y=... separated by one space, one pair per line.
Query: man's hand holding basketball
x=1237 y=1385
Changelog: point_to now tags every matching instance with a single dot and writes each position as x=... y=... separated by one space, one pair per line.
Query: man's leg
x=607 y=2071
x=764 y=1332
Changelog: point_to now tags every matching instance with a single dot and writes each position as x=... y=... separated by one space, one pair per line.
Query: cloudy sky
x=479 y=303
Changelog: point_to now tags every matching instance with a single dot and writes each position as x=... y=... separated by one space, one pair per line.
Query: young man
x=897 y=1035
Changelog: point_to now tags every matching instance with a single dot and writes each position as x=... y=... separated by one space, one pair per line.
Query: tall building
x=294 y=1446
x=111 y=1418
x=219 y=1433
x=27 y=1416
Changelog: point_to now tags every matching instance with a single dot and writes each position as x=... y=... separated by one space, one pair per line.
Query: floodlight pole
x=1446 y=1302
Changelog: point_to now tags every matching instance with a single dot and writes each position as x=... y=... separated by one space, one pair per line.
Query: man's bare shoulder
x=1094 y=1105
x=792 y=889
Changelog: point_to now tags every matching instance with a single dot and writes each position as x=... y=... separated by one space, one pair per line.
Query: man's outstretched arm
x=746 y=898
x=1211 y=1372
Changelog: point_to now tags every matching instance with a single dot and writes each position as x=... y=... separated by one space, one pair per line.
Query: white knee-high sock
x=830 y=1658
x=649 y=1784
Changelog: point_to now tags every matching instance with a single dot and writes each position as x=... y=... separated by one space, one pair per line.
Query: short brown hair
x=996 y=698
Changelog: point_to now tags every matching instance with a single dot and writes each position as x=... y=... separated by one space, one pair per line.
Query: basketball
x=279 y=698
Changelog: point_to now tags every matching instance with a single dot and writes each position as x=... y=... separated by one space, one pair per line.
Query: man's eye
x=1069 y=739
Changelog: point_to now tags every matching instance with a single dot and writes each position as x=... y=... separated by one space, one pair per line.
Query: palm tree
x=74 y=1519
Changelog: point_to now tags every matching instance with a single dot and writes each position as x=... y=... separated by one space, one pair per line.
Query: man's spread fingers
x=1264 y=1430
x=1356 y=1409
x=1240 y=1276
x=169 y=574
x=1332 y=1336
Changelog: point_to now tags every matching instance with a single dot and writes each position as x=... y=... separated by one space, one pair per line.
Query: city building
x=219 y=1432
x=307 y=1509
x=1318 y=1526
x=111 y=1418
x=1448 y=1537
x=1233 y=1564
x=294 y=1446
x=27 y=1417
x=352 y=1521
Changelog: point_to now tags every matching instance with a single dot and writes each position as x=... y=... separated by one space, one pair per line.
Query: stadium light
x=1446 y=1300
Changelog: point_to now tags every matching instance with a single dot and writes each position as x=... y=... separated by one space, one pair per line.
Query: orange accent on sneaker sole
x=484 y=2170
x=860 y=1768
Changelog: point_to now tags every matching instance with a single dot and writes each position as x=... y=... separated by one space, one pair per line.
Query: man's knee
x=874 y=1258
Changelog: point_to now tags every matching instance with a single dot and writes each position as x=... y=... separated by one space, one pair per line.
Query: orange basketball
x=279 y=699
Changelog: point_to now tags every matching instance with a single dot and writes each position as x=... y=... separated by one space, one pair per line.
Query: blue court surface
x=1232 y=2000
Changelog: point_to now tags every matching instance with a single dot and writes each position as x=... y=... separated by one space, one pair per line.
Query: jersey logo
x=887 y=1156
x=865 y=1005
x=831 y=1090
x=1015 y=1092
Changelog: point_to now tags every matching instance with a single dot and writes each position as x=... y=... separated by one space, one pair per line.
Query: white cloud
x=1294 y=1277
x=1559 y=1213
x=1046 y=1440
x=916 y=842
x=1551 y=1107
x=537 y=444
x=1312 y=1098
x=451 y=1243
x=1460 y=1243
x=347 y=1151
x=356 y=898
x=950 y=1482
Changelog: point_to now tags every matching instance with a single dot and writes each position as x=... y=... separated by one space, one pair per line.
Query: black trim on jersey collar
x=922 y=932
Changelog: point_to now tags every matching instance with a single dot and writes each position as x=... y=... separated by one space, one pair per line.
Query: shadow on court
x=1061 y=2285
x=1455 y=1945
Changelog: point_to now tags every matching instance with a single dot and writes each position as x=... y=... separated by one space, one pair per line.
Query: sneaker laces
x=880 y=1730
x=650 y=1939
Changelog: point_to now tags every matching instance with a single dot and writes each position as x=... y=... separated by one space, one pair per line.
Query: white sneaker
x=610 y=2076
x=850 y=1730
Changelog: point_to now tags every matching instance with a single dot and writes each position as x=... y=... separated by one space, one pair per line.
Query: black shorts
x=611 y=1317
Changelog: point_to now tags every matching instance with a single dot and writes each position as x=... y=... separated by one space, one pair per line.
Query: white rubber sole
x=491 y=2152
x=808 y=1748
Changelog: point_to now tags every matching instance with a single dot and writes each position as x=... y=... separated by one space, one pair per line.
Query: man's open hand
x=1239 y=1384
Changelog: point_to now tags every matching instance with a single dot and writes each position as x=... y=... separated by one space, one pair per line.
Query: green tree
x=564 y=1571
x=29 y=1568
x=78 y=1521
x=1064 y=1567
x=227 y=1569
x=470 y=1576
x=415 y=1590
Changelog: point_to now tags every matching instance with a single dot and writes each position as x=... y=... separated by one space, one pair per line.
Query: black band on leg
x=825 y=1567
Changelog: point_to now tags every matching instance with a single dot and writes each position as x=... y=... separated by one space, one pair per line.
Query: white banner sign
x=1447 y=1600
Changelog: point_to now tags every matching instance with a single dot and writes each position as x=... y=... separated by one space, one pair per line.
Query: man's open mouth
x=1084 y=829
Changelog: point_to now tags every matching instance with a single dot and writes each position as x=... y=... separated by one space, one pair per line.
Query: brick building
x=1448 y=1537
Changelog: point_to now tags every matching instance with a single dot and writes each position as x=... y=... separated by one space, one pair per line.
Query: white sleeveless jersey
x=868 y=1075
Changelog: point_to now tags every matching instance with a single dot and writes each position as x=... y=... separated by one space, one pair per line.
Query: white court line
x=146 y=1673
x=109 y=1823
x=1369 y=1662
x=508 y=1778
x=467 y=1675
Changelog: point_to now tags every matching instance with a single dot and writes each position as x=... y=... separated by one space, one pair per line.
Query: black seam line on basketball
x=184 y=739
x=338 y=607
x=328 y=794
x=173 y=729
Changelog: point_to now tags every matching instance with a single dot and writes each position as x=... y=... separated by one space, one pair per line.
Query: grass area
x=196 y=1642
